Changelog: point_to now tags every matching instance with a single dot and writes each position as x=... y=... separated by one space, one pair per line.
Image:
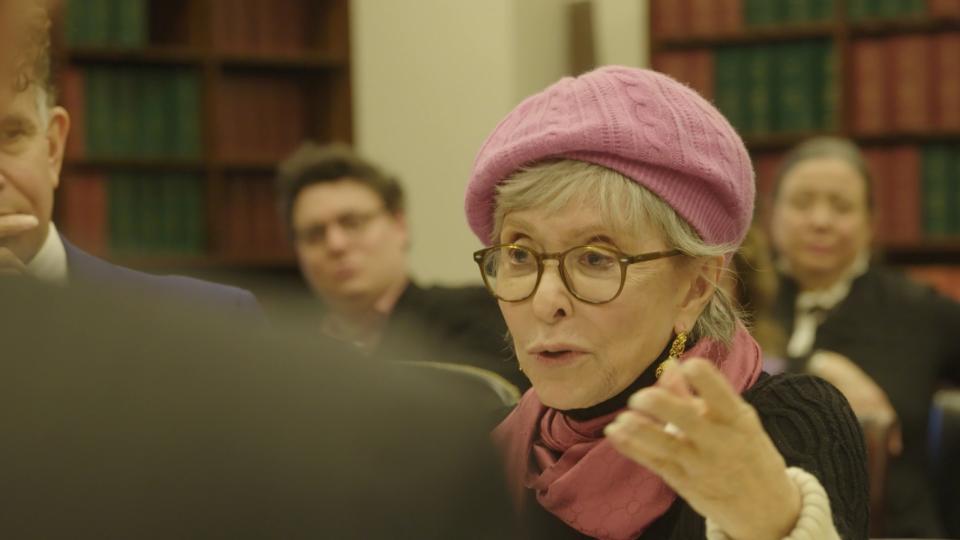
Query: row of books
x=251 y=218
x=706 y=18
x=261 y=26
x=124 y=113
x=778 y=88
x=107 y=23
x=134 y=214
x=916 y=190
x=906 y=83
x=260 y=119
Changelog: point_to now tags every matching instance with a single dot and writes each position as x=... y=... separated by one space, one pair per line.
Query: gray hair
x=625 y=207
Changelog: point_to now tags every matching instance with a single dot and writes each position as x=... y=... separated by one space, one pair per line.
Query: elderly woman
x=884 y=341
x=611 y=204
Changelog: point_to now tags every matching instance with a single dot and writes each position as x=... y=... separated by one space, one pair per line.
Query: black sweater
x=811 y=424
x=907 y=338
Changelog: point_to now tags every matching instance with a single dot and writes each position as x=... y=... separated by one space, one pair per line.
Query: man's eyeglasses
x=351 y=224
x=592 y=274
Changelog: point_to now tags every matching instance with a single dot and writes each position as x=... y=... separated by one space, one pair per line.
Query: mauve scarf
x=579 y=477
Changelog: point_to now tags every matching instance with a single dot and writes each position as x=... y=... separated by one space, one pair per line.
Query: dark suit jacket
x=83 y=268
x=124 y=420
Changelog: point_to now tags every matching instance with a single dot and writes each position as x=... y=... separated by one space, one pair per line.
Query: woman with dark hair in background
x=883 y=340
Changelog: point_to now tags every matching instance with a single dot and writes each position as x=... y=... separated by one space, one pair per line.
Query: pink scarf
x=579 y=477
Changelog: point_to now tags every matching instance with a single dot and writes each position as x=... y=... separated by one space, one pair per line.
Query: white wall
x=431 y=78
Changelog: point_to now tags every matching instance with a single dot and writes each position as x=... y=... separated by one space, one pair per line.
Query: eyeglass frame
x=559 y=256
x=364 y=221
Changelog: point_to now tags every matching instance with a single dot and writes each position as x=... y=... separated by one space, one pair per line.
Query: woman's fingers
x=650 y=445
x=683 y=412
x=722 y=402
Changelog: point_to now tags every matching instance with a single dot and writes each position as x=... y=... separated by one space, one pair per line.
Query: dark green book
x=730 y=94
x=915 y=8
x=761 y=66
x=77 y=25
x=97 y=26
x=193 y=215
x=826 y=69
x=153 y=117
x=762 y=12
x=823 y=10
x=188 y=114
x=797 y=11
x=98 y=112
x=169 y=145
x=122 y=203
x=935 y=187
x=797 y=89
x=128 y=21
x=859 y=10
x=125 y=113
x=151 y=212
x=953 y=206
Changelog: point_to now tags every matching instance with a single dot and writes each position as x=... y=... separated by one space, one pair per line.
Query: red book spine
x=704 y=17
x=903 y=195
x=765 y=170
x=910 y=79
x=96 y=213
x=670 y=18
x=74 y=101
x=731 y=16
x=944 y=8
x=877 y=164
x=673 y=63
x=701 y=72
x=947 y=88
x=870 y=83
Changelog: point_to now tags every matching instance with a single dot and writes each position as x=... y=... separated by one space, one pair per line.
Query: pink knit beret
x=640 y=123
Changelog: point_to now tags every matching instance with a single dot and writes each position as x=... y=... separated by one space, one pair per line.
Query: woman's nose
x=551 y=301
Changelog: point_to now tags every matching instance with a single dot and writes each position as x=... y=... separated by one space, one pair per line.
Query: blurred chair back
x=506 y=392
x=945 y=456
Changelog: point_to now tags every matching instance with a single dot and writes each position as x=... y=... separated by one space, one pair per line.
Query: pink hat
x=640 y=123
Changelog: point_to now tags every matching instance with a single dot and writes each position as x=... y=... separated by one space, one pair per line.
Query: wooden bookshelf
x=192 y=103
x=916 y=125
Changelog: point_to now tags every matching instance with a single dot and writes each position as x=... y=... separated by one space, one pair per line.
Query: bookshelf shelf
x=147 y=165
x=910 y=25
x=760 y=35
x=172 y=56
x=225 y=88
x=301 y=62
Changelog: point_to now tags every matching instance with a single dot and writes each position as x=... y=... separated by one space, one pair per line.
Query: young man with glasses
x=348 y=227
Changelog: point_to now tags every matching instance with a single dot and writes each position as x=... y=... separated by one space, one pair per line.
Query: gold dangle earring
x=676 y=349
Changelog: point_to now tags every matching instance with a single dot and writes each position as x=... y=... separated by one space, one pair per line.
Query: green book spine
x=123 y=211
x=935 y=181
x=762 y=12
x=169 y=144
x=152 y=131
x=129 y=23
x=188 y=115
x=760 y=76
x=151 y=212
x=827 y=83
x=730 y=95
x=824 y=10
x=77 y=25
x=797 y=11
x=889 y=9
x=915 y=8
x=795 y=111
x=194 y=214
x=953 y=181
x=859 y=10
x=125 y=113
x=98 y=23
x=97 y=112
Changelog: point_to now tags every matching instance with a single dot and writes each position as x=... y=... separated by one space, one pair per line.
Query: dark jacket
x=907 y=338
x=83 y=268
x=459 y=325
